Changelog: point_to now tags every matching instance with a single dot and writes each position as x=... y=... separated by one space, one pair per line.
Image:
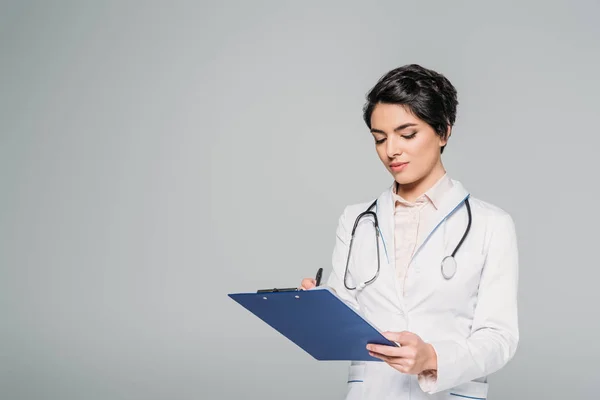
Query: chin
x=404 y=179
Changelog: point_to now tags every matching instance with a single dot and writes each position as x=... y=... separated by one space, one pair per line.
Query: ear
x=444 y=140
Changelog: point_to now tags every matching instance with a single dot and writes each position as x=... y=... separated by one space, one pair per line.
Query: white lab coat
x=471 y=319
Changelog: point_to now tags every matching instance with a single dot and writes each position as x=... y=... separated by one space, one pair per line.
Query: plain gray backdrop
x=155 y=156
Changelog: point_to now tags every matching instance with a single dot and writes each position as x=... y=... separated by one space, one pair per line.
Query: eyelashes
x=408 y=137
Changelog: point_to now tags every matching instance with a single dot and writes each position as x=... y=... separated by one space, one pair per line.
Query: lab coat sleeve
x=339 y=256
x=494 y=333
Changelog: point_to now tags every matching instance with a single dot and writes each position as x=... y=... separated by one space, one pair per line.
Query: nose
x=393 y=147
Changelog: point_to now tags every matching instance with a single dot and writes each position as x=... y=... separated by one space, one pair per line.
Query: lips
x=398 y=166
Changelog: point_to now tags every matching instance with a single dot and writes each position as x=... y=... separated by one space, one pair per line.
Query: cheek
x=381 y=152
x=422 y=156
x=426 y=151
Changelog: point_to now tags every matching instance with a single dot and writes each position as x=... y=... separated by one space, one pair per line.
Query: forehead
x=392 y=115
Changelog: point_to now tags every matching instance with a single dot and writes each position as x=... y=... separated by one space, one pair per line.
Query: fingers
x=404 y=338
x=406 y=365
x=397 y=361
x=382 y=357
x=390 y=351
x=308 y=283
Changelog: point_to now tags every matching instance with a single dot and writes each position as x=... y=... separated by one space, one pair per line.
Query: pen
x=319 y=273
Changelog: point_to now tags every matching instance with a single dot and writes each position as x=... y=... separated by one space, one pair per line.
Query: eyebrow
x=399 y=128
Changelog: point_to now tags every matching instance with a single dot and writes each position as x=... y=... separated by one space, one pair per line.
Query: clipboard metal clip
x=275 y=290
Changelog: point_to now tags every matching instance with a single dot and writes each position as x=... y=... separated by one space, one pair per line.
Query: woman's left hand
x=414 y=356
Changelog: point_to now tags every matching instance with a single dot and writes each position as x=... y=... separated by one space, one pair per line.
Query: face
x=408 y=147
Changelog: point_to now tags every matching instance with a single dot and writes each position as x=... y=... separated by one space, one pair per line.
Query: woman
x=454 y=318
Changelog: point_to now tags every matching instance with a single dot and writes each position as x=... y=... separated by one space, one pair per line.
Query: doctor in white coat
x=455 y=318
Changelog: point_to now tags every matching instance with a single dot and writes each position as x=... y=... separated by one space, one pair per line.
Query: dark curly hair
x=427 y=94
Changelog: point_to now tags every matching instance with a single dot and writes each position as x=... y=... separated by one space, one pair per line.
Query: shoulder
x=496 y=219
x=351 y=211
x=486 y=209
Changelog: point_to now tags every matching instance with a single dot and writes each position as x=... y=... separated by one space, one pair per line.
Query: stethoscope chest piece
x=448 y=267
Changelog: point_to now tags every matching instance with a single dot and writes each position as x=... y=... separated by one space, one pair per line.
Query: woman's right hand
x=308 y=283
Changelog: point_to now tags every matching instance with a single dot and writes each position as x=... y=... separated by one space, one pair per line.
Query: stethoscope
x=448 y=264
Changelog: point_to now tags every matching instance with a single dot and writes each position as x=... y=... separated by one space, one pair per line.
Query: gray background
x=156 y=156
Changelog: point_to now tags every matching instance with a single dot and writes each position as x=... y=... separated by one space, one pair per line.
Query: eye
x=412 y=135
x=379 y=141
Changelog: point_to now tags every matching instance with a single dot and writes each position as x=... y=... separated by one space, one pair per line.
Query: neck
x=411 y=191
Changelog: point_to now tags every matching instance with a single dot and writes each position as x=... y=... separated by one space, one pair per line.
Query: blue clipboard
x=316 y=320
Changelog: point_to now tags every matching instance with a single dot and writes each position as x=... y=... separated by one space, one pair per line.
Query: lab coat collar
x=445 y=206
